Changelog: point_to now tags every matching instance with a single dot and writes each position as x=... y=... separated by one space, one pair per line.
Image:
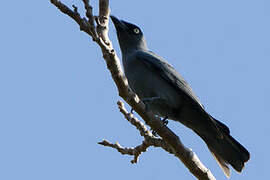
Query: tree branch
x=172 y=142
x=149 y=138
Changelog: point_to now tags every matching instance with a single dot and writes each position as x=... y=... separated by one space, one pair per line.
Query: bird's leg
x=150 y=100
x=146 y=101
x=155 y=100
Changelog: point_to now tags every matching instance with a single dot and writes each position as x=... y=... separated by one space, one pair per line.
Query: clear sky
x=57 y=99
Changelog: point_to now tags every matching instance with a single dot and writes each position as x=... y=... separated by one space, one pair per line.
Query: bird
x=168 y=95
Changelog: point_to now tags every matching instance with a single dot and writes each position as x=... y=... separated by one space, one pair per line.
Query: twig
x=89 y=15
x=130 y=151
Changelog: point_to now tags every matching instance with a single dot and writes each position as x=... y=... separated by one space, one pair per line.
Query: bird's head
x=130 y=36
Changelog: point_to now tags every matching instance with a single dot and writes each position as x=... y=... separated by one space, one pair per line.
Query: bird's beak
x=119 y=25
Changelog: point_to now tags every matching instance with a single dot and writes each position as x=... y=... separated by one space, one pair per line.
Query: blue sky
x=57 y=99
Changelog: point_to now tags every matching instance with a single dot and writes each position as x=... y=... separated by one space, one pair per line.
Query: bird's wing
x=168 y=73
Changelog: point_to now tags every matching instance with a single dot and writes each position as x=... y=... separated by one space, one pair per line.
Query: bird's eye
x=136 y=31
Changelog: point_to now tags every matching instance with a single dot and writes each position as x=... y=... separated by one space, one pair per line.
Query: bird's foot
x=164 y=122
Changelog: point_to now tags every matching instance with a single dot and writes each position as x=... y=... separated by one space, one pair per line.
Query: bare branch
x=89 y=15
x=84 y=26
x=100 y=36
x=149 y=139
x=134 y=121
x=130 y=151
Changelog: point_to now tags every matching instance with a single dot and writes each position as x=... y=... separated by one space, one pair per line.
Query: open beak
x=119 y=25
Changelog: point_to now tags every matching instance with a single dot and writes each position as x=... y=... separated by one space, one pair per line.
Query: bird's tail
x=226 y=150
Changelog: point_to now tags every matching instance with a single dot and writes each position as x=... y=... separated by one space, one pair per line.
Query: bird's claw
x=164 y=122
x=154 y=133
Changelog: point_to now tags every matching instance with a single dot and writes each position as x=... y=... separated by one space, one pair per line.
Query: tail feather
x=243 y=153
x=226 y=150
x=223 y=165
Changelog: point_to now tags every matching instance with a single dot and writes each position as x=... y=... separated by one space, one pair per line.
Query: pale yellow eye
x=136 y=31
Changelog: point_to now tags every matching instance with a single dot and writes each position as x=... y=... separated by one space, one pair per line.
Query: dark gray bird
x=168 y=95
